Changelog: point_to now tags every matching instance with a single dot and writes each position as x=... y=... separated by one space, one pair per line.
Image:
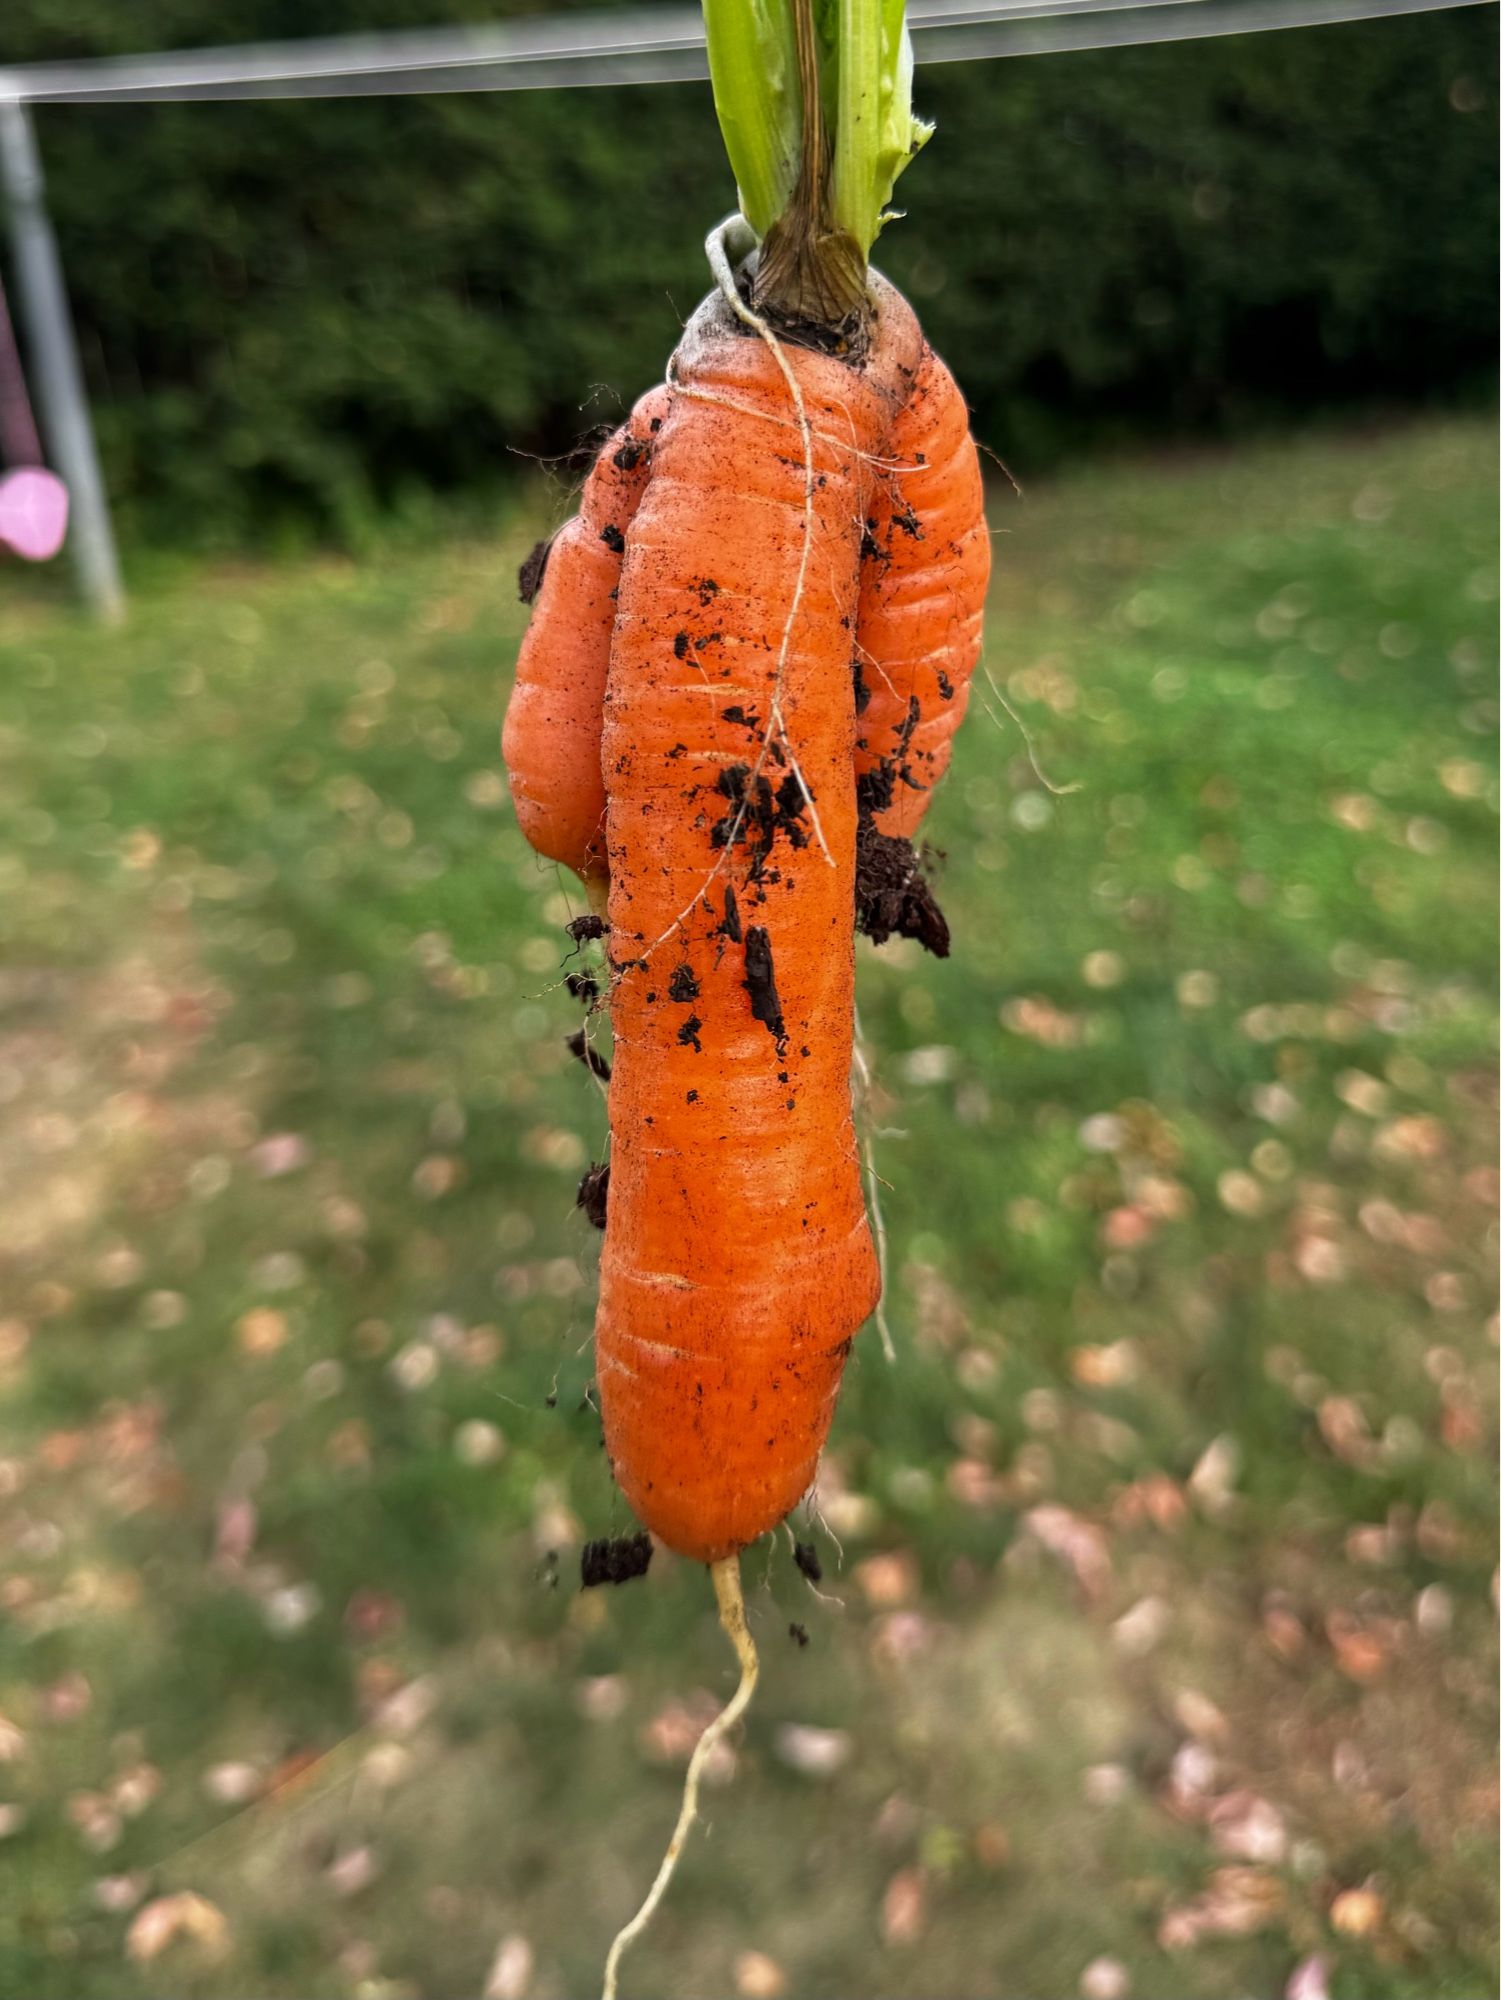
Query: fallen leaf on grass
x=672 y=1734
x=232 y=1784
x=1077 y=1542
x=511 y=1969
x=1104 y=1979
x=184 y=1915
x=1357 y=1912
x=1212 y=1480
x=1309 y=1979
x=1236 y=1903
x=353 y=1871
x=261 y=1331
x=904 y=1907
x=1248 y=1828
x=758 y=1977
x=816 y=1753
x=888 y=1579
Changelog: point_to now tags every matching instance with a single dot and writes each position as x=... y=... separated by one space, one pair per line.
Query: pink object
x=33 y=512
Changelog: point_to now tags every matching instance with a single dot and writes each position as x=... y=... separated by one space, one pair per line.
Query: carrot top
x=814 y=99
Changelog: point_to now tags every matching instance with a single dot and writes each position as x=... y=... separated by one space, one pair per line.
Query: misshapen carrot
x=737 y=1261
x=922 y=597
x=550 y=742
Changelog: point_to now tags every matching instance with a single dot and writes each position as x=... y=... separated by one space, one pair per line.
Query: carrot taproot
x=550 y=741
x=925 y=572
x=737 y=1262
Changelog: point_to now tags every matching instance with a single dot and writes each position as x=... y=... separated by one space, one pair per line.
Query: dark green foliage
x=309 y=312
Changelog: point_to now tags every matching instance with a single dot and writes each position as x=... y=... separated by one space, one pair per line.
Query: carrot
x=550 y=741
x=922 y=599
x=737 y=1262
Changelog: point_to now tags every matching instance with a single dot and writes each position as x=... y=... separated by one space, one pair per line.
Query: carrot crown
x=814 y=99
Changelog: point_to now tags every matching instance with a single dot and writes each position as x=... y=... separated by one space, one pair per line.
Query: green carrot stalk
x=814 y=99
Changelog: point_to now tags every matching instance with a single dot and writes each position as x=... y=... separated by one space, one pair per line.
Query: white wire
x=641 y=45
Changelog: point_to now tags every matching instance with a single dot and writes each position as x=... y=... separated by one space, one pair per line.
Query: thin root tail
x=726 y=1575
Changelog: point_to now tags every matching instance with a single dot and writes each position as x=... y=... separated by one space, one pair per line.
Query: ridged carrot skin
x=924 y=576
x=550 y=742
x=737 y=1260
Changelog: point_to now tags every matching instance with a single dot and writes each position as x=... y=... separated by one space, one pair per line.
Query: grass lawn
x=1160 y=1661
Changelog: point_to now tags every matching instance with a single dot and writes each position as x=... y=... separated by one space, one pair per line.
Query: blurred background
x=1153 y=1656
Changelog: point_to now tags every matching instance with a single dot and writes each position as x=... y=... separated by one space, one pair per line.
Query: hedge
x=305 y=313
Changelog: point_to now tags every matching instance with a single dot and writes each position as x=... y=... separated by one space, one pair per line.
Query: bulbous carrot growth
x=737 y=1261
x=924 y=576
x=551 y=737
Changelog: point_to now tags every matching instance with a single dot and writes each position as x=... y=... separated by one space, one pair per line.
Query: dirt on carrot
x=618 y=1559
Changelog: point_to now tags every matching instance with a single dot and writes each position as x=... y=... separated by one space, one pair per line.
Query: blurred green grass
x=1164 y=1654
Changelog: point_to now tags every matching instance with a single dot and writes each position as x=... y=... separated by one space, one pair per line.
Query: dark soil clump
x=594 y=1194
x=612 y=538
x=806 y=1557
x=798 y=1632
x=892 y=894
x=761 y=984
x=682 y=985
x=615 y=1561
x=729 y=923
x=583 y=928
x=592 y=1060
x=529 y=576
x=757 y=814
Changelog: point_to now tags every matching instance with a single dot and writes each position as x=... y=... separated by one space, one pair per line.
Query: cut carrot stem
x=726 y=1576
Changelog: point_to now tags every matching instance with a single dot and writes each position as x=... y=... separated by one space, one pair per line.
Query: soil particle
x=757 y=814
x=862 y=692
x=688 y=1033
x=892 y=894
x=680 y=646
x=594 y=1194
x=798 y=1632
x=592 y=1060
x=631 y=453
x=908 y=522
x=586 y=927
x=729 y=924
x=875 y=789
x=529 y=576
x=583 y=986
x=683 y=985
x=615 y=1561
x=761 y=984
x=806 y=1557
x=612 y=538
x=945 y=685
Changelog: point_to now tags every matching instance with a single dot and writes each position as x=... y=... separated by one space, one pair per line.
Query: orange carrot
x=922 y=597
x=737 y=1261
x=551 y=737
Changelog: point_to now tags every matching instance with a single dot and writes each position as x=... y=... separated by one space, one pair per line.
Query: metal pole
x=54 y=358
x=19 y=443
